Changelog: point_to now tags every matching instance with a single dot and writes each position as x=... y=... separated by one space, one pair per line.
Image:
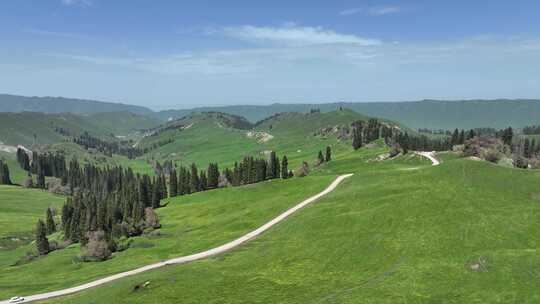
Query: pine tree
x=173 y=184
x=328 y=156
x=156 y=193
x=194 y=179
x=320 y=157
x=284 y=168
x=526 y=150
x=470 y=134
x=203 y=181
x=213 y=176
x=4 y=174
x=42 y=243
x=462 y=137
x=272 y=165
x=357 y=138
x=40 y=181
x=51 y=226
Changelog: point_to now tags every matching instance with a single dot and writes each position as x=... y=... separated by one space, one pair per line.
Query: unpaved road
x=430 y=156
x=189 y=258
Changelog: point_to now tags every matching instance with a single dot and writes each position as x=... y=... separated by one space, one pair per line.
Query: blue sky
x=174 y=54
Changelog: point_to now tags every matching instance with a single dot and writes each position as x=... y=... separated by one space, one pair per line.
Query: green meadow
x=462 y=232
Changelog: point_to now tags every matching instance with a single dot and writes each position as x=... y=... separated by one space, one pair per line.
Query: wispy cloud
x=372 y=11
x=81 y=3
x=384 y=10
x=292 y=35
x=385 y=57
x=351 y=11
x=56 y=34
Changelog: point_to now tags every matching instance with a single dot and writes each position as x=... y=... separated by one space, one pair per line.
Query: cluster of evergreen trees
x=531 y=130
x=363 y=132
x=4 y=174
x=108 y=148
x=326 y=157
x=47 y=164
x=526 y=147
x=187 y=180
x=112 y=200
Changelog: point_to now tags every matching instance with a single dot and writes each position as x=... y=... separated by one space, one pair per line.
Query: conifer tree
x=462 y=137
x=42 y=243
x=156 y=193
x=51 y=226
x=357 y=138
x=194 y=179
x=328 y=156
x=272 y=165
x=284 y=167
x=173 y=184
x=5 y=179
x=203 y=181
x=41 y=181
x=213 y=176
x=320 y=157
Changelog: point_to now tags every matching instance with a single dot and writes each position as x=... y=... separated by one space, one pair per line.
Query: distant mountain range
x=14 y=103
x=433 y=114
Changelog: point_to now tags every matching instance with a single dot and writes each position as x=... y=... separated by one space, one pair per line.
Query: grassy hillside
x=14 y=103
x=190 y=224
x=462 y=232
x=204 y=138
x=432 y=114
x=20 y=128
x=19 y=210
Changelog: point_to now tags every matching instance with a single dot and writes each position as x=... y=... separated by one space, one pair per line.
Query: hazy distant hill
x=14 y=103
x=416 y=114
x=43 y=128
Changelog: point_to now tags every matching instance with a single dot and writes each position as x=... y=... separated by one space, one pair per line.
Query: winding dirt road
x=430 y=156
x=190 y=258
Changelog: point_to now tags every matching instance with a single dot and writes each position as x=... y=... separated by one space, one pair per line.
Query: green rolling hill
x=432 y=114
x=15 y=103
x=461 y=232
x=217 y=137
x=20 y=128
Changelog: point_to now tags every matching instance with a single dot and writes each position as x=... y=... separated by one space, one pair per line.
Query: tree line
x=5 y=179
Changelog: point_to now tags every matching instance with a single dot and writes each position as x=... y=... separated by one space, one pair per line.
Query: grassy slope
x=19 y=128
x=386 y=236
x=20 y=209
x=208 y=141
x=190 y=224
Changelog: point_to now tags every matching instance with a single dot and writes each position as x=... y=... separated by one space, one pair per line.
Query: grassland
x=190 y=224
x=387 y=235
x=293 y=134
x=20 y=209
x=29 y=128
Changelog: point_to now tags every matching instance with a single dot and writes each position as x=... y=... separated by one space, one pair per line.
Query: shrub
x=151 y=218
x=303 y=170
x=97 y=248
x=491 y=155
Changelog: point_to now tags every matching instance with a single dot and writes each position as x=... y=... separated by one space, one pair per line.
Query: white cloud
x=350 y=11
x=372 y=11
x=383 y=10
x=293 y=35
x=56 y=34
x=83 y=3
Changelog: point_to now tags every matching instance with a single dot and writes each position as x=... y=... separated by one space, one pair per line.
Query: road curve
x=430 y=156
x=186 y=259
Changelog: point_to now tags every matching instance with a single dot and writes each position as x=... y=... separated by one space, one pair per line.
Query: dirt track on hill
x=190 y=258
x=431 y=157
